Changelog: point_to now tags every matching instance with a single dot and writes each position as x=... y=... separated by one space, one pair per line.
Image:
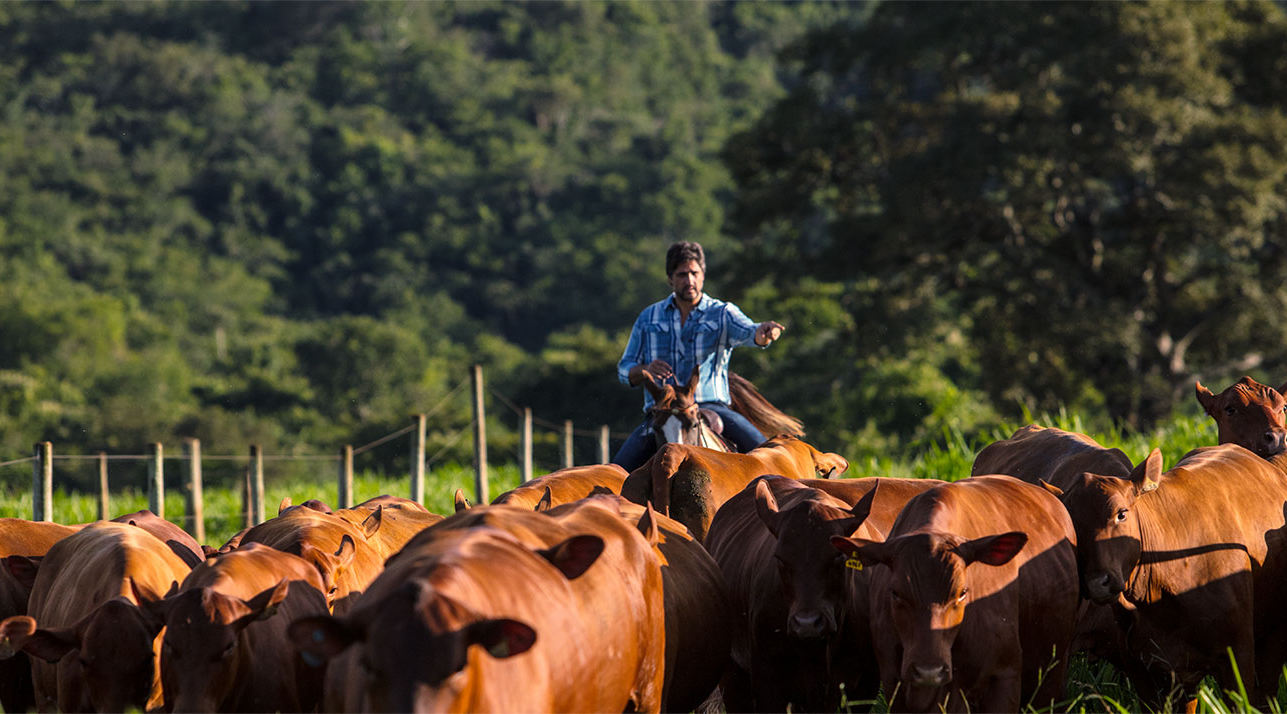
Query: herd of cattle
x=701 y=578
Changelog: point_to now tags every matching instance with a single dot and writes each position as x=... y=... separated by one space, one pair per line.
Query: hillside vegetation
x=296 y=224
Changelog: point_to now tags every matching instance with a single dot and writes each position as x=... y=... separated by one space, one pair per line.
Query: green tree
x=1094 y=190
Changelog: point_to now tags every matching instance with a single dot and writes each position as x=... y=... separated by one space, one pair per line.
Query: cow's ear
x=867 y=552
x=501 y=638
x=462 y=503
x=1205 y=397
x=1148 y=475
x=154 y=607
x=53 y=644
x=862 y=508
x=647 y=526
x=829 y=464
x=23 y=569
x=575 y=555
x=547 y=498
x=371 y=523
x=766 y=505
x=1053 y=489
x=265 y=604
x=344 y=554
x=993 y=550
x=283 y=505
x=318 y=638
x=14 y=632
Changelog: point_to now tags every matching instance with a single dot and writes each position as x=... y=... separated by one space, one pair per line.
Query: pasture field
x=1092 y=686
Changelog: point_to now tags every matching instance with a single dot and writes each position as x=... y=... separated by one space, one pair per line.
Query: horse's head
x=674 y=415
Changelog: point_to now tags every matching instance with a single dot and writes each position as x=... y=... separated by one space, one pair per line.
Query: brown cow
x=801 y=622
x=30 y=539
x=566 y=485
x=416 y=627
x=1037 y=453
x=1195 y=558
x=695 y=603
x=95 y=648
x=974 y=603
x=622 y=594
x=225 y=646
x=1248 y=414
x=341 y=551
x=399 y=520
x=174 y=537
x=690 y=483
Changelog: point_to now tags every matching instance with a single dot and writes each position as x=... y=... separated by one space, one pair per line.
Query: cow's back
x=1036 y=453
x=566 y=485
x=175 y=538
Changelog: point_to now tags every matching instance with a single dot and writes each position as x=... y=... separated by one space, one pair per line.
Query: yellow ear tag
x=854 y=563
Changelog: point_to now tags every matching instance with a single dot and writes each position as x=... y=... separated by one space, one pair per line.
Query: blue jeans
x=641 y=444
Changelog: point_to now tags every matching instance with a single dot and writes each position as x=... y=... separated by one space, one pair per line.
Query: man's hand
x=658 y=368
x=768 y=331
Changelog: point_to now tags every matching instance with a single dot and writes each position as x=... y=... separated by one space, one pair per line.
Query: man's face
x=687 y=281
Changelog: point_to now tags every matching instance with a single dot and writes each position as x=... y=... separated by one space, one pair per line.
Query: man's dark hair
x=682 y=252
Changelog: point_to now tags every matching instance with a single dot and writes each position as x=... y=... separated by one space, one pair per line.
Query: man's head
x=686 y=270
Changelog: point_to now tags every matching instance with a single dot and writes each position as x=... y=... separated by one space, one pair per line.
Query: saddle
x=712 y=419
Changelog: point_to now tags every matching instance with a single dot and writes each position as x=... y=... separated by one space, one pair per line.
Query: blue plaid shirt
x=711 y=332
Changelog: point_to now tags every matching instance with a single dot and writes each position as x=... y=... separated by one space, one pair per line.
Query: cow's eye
x=1229 y=410
x=961 y=598
x=1121 y=515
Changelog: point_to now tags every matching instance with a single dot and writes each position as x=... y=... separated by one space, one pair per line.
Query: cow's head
x=1248 y=414
x=110 y=649
x=925 y=588
x=416 y=642
x=333 y=567
x=825 y=463
x=1104 y=515
x=203 y=652
x=812 y=573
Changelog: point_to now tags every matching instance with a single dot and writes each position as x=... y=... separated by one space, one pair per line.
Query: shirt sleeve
x=634 y=354
x=741 y=331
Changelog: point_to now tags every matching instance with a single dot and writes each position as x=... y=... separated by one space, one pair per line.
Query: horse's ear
x=693 y=379
x=650 y=383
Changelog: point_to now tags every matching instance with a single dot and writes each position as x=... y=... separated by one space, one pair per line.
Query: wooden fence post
x=156 y=480
x=480 y=438
x=104 y=494
x=247 y=513
x=257 y=482
x=196 y=497
x=345 y=495
x=604 y=436
x=567 y=443
x=418 y=458
x=42 y=483
x=525 y=446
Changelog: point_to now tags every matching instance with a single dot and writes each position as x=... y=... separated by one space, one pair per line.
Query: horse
x=676 y=418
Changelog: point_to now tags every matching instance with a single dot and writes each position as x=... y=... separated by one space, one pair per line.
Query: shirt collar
x=702 y=304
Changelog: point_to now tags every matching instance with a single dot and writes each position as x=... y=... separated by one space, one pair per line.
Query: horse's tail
x=747 y=401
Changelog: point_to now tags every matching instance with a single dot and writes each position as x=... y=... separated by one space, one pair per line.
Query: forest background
x=297 y=224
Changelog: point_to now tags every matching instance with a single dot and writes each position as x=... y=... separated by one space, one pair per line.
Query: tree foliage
x=1093 y=192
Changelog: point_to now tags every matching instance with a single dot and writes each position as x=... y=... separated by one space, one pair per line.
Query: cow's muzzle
x=929 y=675
x=1103 y=587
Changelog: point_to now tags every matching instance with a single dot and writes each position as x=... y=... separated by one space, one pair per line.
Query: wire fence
x=246 y=470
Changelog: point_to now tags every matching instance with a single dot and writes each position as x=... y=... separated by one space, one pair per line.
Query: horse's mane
x=747 y=401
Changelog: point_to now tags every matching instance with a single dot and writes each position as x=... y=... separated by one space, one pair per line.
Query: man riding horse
x=688 y=334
